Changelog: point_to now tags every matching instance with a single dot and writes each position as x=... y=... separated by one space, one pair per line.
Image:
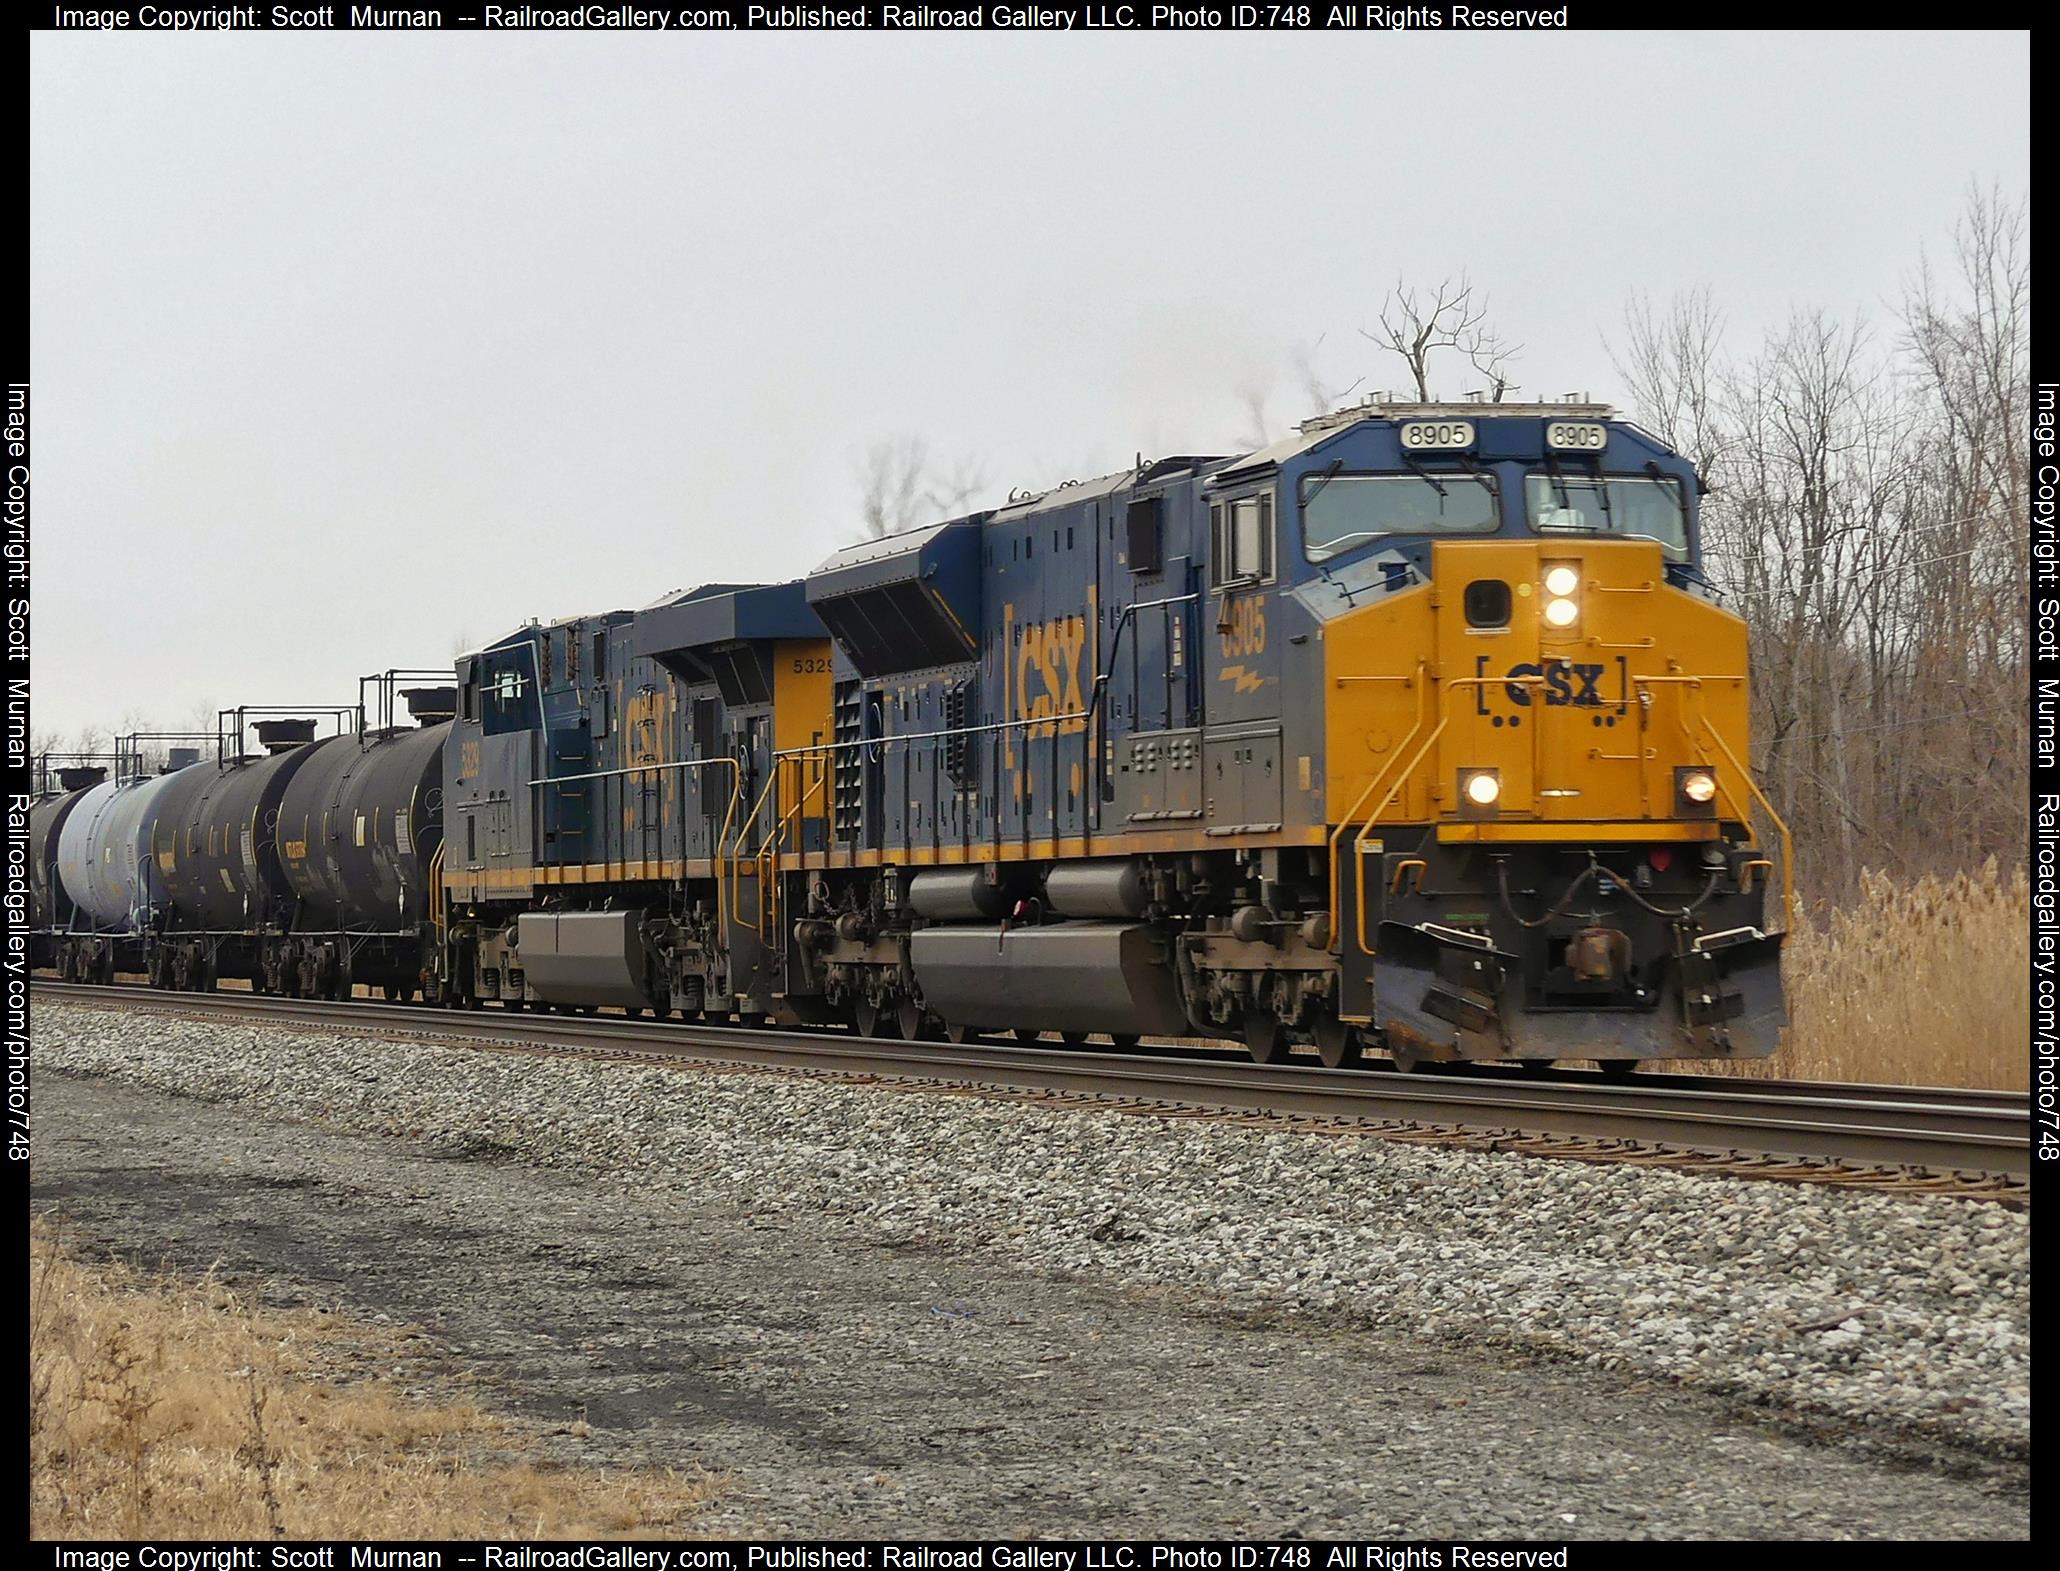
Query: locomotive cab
x=1538 y=803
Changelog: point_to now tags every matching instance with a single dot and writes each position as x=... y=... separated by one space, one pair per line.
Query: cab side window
x=1241 y=540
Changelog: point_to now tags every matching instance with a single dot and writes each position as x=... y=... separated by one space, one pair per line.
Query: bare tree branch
x=1414 y=328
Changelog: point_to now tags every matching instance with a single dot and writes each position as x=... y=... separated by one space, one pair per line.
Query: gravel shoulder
x=899 y=1314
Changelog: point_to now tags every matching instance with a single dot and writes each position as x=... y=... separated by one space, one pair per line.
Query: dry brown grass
x=171 y=1409
x=1920 y=983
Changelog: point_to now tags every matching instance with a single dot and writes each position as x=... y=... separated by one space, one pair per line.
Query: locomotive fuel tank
x=215 y=845
x=103 y=851
x=358 y=825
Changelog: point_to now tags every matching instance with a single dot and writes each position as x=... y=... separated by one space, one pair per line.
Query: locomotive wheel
x=959 y=1036
x=910 y=1018
x=1265 y=1038
x=1337 y=1044
x=875 y=1021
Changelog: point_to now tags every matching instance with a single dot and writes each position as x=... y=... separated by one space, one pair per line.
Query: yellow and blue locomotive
x=1420 y=731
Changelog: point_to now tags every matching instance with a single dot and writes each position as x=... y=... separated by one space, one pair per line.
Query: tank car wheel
x=1025 y=1035
x=1338 y=1045
x=107 y=968
x=1265 y=1037
x=1073 y=1038
x=1617 y=1068
x=959 y=1036
x=1123 y=1041
x=1535 y=1068
x=875 y=1021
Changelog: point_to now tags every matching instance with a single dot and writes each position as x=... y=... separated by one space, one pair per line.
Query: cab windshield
x=1610 y=505
x=1343 y=512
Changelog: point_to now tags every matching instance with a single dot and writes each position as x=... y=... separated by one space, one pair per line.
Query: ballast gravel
x=1901 y=1316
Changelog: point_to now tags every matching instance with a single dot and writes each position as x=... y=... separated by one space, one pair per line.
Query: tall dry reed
x=1914 y=983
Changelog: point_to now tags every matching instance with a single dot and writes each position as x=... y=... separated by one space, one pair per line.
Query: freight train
x=1421 y=732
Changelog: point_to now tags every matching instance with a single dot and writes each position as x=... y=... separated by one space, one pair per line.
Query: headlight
x=1561 y=613
x=1562 y=580
x=1483 y=786
x=1695 y=791
x=1699 y=786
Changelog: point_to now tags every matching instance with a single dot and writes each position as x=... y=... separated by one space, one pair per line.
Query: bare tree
x=1863 y=519
x=1670 y=363
x=1415 y=328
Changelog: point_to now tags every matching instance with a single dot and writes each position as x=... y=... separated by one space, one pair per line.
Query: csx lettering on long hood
x=1050 y=674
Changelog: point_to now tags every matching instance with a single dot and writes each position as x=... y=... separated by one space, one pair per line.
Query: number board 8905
x=1581 y=436
x=1419 y=435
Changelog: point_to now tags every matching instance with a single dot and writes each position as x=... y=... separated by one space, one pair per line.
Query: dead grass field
x=1918 y=983
x=173 y=1409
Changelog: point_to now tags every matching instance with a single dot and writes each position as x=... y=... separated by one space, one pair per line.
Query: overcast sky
x=348 y=347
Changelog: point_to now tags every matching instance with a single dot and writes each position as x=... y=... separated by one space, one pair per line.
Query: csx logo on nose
x=1565 y=683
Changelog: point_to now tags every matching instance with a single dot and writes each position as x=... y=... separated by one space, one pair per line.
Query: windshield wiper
x=1323 y=480
x=1424 y=475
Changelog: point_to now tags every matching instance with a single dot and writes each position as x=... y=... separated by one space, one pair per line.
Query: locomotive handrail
x=1351 y=813
x=658 y=766
x=1700 y=719
x=439 y=907
x=1092 y=714
x=769 y=851
x=1445 y=718
x=1753 y=787
x=736 y=858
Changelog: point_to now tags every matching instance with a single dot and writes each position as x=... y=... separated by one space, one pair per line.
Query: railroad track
x=1937 y=1140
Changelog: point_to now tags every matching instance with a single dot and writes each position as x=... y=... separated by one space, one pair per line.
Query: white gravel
x=1911 y=1314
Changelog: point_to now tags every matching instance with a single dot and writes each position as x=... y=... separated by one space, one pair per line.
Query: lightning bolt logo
x=1247 y=681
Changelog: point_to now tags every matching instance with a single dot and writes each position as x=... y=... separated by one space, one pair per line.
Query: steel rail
x=1929 y=1128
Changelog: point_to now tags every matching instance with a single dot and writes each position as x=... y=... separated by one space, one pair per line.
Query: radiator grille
x=848 y=801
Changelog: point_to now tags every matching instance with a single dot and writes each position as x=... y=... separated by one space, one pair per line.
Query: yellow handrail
x=439 y=900
x=769 y=853
x=1759 y=796
x=737 y=859
x=1397 y=779
x=1345 y=822
x=1444 y=719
